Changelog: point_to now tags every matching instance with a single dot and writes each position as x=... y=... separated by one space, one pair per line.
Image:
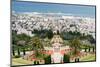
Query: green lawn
x=89 y=57
x=20 y=61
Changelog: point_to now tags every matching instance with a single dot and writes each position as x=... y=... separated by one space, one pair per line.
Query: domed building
x=56 y=42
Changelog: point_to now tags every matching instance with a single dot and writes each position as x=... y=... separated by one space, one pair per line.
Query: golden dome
x=56 y=39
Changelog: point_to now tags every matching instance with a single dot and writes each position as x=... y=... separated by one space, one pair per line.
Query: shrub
x=66 y=58
x=16 y=56
x=76 y=59
x=36 y=62
x=48 y=60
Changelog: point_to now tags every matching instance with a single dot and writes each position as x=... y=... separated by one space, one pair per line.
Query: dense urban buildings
x=28 y=22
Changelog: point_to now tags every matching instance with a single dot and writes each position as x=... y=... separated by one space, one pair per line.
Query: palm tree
x=75 y=44
x=22 y=43
x=18 y=50
x=14 y=42
x=36 y=45
x=13 y=51
x=19 y=42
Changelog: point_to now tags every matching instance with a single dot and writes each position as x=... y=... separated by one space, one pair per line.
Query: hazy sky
x=77 y=10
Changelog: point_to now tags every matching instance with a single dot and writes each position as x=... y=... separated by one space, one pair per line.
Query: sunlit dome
x=56 y=39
